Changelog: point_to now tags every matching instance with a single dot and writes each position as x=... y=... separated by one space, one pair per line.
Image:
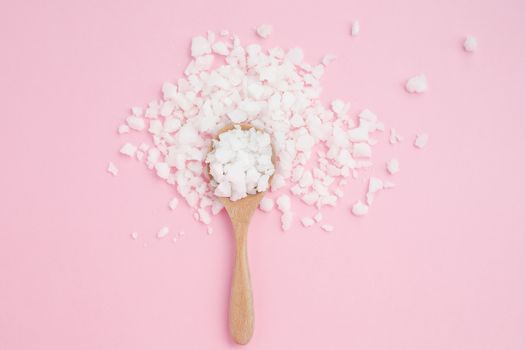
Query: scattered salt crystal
x=112 y=169
x=417 y=84
x=395 y=137
x=286 y=220
x=139 y=155
x=327 y=228
x=135 y=235
x=264 y=30
x=421 y=140
x=359 y=209
x=318 y=217
x=307 y=222
x=123 y=129
x=310 y=198
x=204 y=216
x=136 y=123
x=163 y=232
x=137 y=111
x=221 y=48
x=174 y=202
x=470 y=44
x=392 y=166
x=128 y=149
x=328 y=58
x=200 y=46
x=163 y=170
x=284 y=203
x=295 y=55
x=362 y=150
x=266 y=204
x=278 y=181
x=356 y=28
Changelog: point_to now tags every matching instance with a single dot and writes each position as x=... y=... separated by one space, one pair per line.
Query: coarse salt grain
x=264 y=30
x=128 y=149
x=266 y=204
x=359 y=209
x=134 y=235
x=470 y=44
x=174 y=202
x=318 y=217
x=327 y=228
x=123 y=129
x=421 y=140
x=356 y=28
x=417 y=84
x=392 y=166
x=163 y=232
x=307 y=222
x=112 y=169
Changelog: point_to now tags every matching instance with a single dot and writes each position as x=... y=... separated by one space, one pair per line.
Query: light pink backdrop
x=439 y=263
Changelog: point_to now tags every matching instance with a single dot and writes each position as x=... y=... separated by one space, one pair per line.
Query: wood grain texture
x=241 y=311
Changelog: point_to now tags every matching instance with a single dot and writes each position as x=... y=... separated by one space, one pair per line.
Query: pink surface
x=439 y=263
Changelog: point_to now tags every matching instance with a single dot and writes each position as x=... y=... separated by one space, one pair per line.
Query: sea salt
x=356 y=28
x=264 y=30
x=421 y=141
x=392 y=166
x=276 y=91
x=470 y=44
x=241 y=163
x=163 y=232
x=112 y=169
x=417 y=84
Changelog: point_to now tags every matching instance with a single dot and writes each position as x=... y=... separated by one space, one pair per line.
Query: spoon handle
x=241 y=299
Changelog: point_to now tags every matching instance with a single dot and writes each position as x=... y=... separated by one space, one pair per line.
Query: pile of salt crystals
x=240 y=163
x=273 y=90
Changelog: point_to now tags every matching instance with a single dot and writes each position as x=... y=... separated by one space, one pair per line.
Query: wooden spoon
x=241 y=315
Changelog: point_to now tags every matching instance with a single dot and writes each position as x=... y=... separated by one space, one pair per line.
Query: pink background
x=439 y=263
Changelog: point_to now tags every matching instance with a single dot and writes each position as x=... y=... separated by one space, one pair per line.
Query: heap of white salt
x=240 y=163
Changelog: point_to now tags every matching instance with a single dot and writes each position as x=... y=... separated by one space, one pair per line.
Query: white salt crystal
x=128 y=149
x=417 y=84
x=123 y=129
x=284 y=203
x=221 y=48
x=295 y=55
x=359 y=209
x=264 y=30
x=421 y=140
x=394 y=136
x=174 y=202
x=356 y=28
x=135 y=235
x=327 y=228
x=277 y=182
x=163 y=232
x=136 y=111
x=318 y=217
x=307 y=222
x=470 y=44
x=286 y=220
x=392 y=166
x=136 y=123
x=112 y=169
x=328 y=58
x=266 y=204
x=163 y=170
x=200 y=46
